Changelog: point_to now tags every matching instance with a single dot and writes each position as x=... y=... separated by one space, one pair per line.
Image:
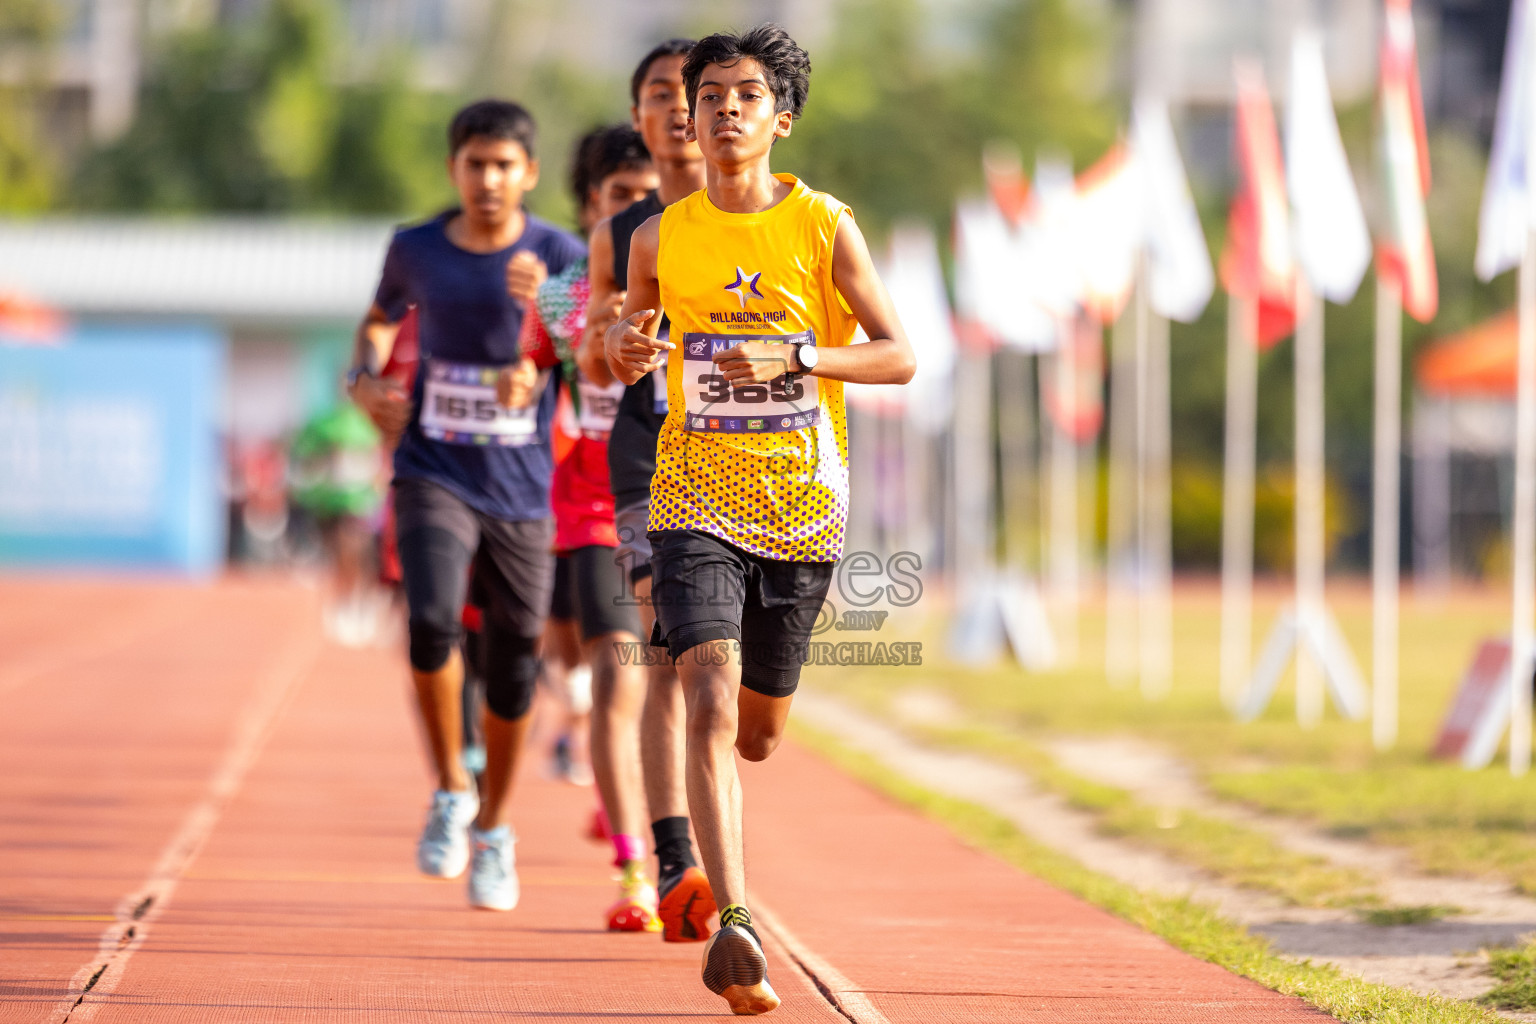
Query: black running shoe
x=736 y=970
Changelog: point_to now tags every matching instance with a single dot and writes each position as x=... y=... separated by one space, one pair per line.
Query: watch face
x=806 y=355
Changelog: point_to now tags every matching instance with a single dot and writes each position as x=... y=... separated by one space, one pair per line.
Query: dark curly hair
x=601 y=152
x=785 y=65
x=671 y=48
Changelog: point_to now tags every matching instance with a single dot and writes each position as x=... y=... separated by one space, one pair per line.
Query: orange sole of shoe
x=632 y=917
x=751 y=1000
x=687 y=910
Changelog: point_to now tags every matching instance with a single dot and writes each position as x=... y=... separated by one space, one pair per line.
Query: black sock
x=674 y=850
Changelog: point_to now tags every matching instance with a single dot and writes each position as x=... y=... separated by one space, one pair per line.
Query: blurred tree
x=895 y=123
x=28 y=30
x=251 y=118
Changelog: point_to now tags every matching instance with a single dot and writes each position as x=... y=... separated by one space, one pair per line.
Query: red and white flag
x=1258 y=262
x=1405 y=253
x=1107 y=232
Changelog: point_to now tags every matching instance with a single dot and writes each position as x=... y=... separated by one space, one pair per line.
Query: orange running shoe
x=636 y=909
x=687 y=907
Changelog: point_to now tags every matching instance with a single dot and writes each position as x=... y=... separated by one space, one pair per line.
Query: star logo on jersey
x=744 y=283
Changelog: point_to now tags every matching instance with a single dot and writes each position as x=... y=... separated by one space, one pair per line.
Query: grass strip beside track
x=1228 y=851
x=1452 y=821
x=1516 y=971
x=1191 y=926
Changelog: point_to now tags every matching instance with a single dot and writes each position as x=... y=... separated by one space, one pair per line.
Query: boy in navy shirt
x=471 y=476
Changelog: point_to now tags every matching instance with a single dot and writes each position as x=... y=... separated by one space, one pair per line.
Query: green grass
x=1193 y=927
x=1451 y=821
x=1230 y=852
x=1388 y=917
x=1516 y=971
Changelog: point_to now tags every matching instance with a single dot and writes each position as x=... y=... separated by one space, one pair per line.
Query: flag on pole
x=1179 y=264
x=1108 y=232
x=1333 y=245
x=915 y=280
x=996 y=287
x=1508 y=212
x=1405 y=255
x=1257 y=261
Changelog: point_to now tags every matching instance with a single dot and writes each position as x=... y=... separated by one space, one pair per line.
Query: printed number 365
x=780 y=389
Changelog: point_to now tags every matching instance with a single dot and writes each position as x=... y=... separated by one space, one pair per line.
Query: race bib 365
x=787 y=402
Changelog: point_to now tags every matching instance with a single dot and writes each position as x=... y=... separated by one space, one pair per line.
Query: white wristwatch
x=805 y=355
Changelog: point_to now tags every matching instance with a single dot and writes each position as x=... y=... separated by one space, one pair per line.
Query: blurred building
x=196 y=350
x=286 y=294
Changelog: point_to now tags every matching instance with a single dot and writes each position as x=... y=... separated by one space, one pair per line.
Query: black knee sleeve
x=511 y=670
x=432 y=641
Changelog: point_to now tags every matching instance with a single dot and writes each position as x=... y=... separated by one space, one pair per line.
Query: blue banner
x=109 y=450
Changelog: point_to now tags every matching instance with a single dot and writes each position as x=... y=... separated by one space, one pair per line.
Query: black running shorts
x=439 y=534
x=704 y=589
x=595 y=592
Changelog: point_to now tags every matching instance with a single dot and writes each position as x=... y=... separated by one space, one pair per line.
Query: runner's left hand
x=525 y=272
x=515 y=384
x=753 y=362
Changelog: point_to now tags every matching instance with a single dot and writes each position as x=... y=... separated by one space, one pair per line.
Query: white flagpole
x=1237 y=496
x=1309 y=507
x=1384 y=508
x=1064 y=567
x=1122 y=561
x=1524 y=603
x=1154 y=529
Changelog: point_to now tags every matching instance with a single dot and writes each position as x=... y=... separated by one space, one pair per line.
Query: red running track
x=207 y=814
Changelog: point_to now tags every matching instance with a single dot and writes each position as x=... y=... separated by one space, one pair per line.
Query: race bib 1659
x=458 y=406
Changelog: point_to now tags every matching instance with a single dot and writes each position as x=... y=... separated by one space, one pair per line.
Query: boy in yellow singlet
x=764 y=281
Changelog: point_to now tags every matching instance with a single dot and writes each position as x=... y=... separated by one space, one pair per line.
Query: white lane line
x=91 y=985
x=844 y=996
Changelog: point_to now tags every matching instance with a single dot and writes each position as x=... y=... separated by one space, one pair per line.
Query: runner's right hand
x=385 y=402
x=631 y=352
x=515 y=383
x=600 y=316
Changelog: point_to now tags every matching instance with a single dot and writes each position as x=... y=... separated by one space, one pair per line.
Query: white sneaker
x=492 y=878
x=443 y=850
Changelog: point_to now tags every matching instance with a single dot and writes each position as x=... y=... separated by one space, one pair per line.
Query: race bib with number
x=598 y=407
x=787 y=402
x=458 y=406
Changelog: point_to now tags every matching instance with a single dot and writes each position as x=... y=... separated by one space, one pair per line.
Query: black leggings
x=440 y=537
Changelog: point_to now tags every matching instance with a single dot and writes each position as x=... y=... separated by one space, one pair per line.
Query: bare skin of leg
x=661 y=728
x=503 y=747
x=563 y=655
x=618 y=692
x=438 y=696
x=711 y=683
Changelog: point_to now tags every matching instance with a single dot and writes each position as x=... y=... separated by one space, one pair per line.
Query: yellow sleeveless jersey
x=763 y=466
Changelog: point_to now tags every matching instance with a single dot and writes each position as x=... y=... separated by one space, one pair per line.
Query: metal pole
x=1155 y=528
x=1384 y=524
x=1237 y=496
x=1065 y=571
x=1524 y=603
x=1122 y=575
x=1309 y=506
